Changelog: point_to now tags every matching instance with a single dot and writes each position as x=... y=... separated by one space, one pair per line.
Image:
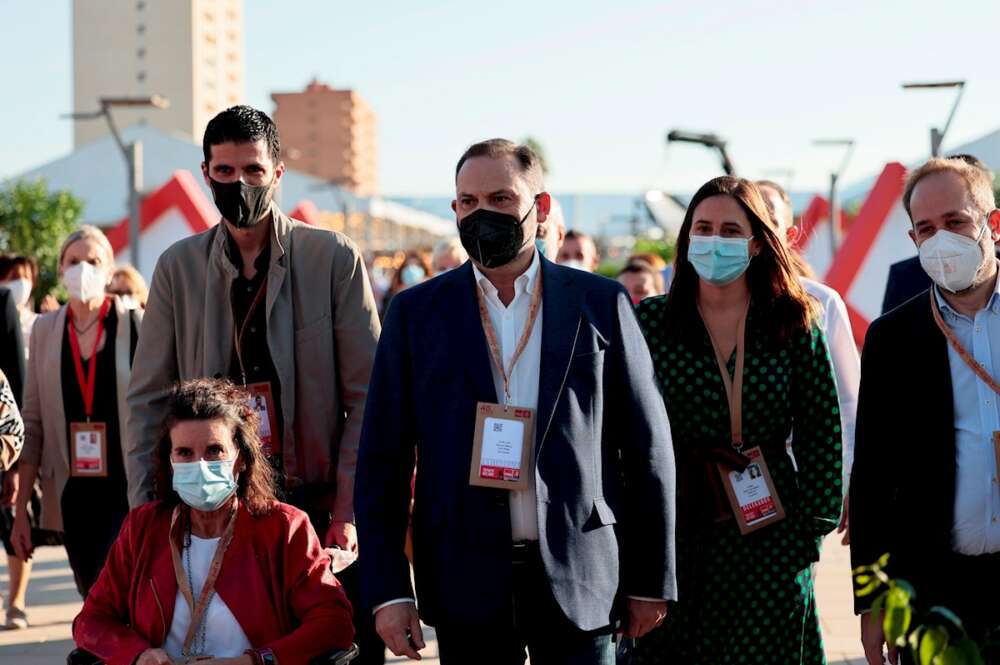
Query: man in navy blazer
x=551 y=568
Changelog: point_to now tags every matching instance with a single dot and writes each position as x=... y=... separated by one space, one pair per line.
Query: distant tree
x=536 y=146
x=34 y=222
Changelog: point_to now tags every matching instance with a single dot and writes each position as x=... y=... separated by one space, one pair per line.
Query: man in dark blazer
x=553 y=567
x=924 y=483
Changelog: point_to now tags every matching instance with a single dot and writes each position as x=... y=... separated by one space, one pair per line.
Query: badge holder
x=88 y=452
x=502 y=447
x=261 y=400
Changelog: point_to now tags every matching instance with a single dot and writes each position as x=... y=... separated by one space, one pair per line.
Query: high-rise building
x=190 y=51
x=330 y=134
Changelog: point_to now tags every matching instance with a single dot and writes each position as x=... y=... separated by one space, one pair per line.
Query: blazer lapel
x=218 y=335
x=472 y=340
x=561 y=318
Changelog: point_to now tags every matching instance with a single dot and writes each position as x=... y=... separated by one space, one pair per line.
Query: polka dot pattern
x=747 y=600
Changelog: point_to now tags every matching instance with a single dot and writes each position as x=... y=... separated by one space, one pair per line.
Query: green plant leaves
x=963 y=652
x=932 y=642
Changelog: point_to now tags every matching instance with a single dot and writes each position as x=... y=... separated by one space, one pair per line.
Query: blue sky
x=598 y=83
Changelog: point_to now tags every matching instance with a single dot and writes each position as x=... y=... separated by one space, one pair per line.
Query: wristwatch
x=262 y=656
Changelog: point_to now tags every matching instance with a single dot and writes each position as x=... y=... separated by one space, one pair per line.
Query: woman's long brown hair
x=772 y=278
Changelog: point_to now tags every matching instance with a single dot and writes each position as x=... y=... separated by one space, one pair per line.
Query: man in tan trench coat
x=273 y=304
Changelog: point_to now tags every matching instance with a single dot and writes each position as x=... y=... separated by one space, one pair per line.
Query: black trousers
x=370 y=645
x=969 y=586
x=92 y=518
x=533 y=621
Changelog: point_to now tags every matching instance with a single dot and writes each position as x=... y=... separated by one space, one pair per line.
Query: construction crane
x=707 y=140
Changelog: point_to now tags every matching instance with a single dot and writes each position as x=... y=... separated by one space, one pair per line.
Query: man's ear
x=913 y=237
x=994 y=223
x=204 y=174
x=454 y=206
x=543 y=205
x=279 y=172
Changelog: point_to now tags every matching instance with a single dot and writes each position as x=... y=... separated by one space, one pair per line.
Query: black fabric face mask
x=492 y=238
x=242 y=204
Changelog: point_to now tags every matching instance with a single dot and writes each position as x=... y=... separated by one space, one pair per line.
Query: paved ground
x=54 y=602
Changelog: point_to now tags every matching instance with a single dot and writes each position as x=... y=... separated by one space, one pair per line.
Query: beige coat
x=46 y=442
x=322 y=328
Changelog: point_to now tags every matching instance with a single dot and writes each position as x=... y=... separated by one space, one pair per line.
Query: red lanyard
x=491 y=336
x=959 y=349
x=88 y=383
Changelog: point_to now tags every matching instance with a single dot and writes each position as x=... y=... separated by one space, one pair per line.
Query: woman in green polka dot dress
x=743 y=598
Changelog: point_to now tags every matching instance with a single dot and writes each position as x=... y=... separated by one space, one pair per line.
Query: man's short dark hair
x=241 y=124
x=527 y=160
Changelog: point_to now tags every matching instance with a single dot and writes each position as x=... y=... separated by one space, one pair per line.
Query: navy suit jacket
x=604 y=458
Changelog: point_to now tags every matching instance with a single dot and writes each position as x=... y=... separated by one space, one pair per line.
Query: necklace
x=201 y=635
x=81 y=331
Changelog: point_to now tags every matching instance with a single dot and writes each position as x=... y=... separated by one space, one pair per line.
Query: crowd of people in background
x=256 y=457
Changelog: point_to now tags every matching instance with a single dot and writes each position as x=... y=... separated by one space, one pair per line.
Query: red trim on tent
x=306 y=212
x=180 y=191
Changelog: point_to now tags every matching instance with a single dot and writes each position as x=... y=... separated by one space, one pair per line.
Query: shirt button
x=249 y=289
x=256 y=368
x=979 y=329
x=253 y=329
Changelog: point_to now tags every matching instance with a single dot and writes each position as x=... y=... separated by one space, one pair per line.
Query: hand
x=11 y=481
x=239 y=660
x=20 y=536
x=342 y=535
x=644 y=616
x=153 y=657
x=844 y=527
x=48 y=304
x=873 y=639
x=399 y=627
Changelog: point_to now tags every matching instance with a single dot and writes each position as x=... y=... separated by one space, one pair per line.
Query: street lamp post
x=132 y=153
x=707 y=140
x=848 y=145
x=937 y=136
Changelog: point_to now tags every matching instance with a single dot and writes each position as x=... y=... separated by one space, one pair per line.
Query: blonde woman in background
x=127 y=283
x=74 y=411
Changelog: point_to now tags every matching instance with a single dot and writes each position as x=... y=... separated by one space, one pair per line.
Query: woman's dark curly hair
x=214 y=399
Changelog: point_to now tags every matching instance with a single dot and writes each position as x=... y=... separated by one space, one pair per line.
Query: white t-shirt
x=224 y=638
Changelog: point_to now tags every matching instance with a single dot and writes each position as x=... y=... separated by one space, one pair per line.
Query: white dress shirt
x=224 y=637
x=844 y=357
x=976 y=527
x=509 y=323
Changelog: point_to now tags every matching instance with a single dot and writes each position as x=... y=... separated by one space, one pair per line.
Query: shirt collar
x=261 y=264
x=993 y=304
x=525 y=282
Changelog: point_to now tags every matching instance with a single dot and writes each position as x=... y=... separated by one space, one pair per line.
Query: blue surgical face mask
x=203 y=485
x=540 y=246
x=719 y=260
x=412 y=274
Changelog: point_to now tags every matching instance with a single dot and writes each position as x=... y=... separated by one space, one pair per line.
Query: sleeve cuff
x=397 y=601
x=647 y=599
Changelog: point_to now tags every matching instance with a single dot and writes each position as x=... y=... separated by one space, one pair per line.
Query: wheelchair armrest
x=81 y=657
x=341 y=657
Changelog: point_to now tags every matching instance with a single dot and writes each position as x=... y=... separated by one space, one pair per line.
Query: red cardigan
x=275 y=579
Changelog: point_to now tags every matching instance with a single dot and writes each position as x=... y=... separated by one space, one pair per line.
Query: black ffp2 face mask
x=492 y=238
x=242 y=204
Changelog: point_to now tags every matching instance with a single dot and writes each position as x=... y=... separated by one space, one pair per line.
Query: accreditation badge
x=88 y=450
x=751 y=492
x=996 y=451
x=501 y=447
x=261 y=400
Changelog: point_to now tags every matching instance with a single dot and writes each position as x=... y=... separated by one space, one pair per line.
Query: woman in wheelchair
x=217 y=571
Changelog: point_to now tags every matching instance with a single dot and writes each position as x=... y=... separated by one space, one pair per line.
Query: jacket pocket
x=159 y=606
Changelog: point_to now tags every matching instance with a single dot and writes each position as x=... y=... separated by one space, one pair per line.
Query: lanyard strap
x=949 y=334
x=239 y=332
x=87 y=383
x=734 y=385
x=491 y=335
x=184 y=584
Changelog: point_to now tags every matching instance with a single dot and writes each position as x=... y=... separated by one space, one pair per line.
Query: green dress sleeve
x=817 y=436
